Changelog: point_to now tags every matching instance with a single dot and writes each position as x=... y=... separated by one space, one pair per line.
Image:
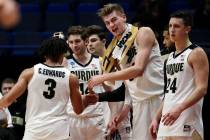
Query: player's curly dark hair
x=53 y=48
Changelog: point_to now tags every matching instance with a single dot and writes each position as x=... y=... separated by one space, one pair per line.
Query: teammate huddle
x=166 y=101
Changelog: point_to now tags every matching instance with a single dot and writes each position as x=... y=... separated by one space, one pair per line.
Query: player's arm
x=75 y=95
x=199 y=62
x=145 y=40
x=18 y=89
x=155 y=122
x=200 y=65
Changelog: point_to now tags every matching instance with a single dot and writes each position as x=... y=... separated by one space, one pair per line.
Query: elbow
x=204 y=90
x=139 y=71
x=78 y=111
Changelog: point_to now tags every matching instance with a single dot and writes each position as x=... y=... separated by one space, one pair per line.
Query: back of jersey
x=48 y=95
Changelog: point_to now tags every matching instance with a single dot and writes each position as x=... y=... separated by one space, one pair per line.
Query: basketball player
x=120 y=117
x=49 y=87
x=137 y=52
x=187 y=69
x=90 y=125
x=168 y=45
x=9 y=13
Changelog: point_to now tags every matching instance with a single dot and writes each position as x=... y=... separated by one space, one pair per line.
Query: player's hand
x=170 y=117
x=95 y=80
x=112 y=126
x=154 y=128
x=91 y=98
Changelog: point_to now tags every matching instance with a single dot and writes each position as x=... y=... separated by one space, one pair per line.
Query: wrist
x=182 y=107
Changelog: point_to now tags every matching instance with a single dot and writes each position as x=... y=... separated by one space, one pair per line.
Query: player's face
x=177 y=29
x=6 y=87
x=95 y=45
x=76 y=44
x=166 y=39
x=116 y=23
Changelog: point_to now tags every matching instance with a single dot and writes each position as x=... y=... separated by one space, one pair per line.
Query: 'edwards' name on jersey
x=52 y=73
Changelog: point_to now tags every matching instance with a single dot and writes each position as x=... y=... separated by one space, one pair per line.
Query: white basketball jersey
x=84 y=73
x=151 y=82
x=116 y=107
x=48 y=95
x=180 y=85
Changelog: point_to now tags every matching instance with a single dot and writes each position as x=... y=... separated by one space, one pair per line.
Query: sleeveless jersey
x=48 y=95
x=116 y=107
x=180 y=85
x=84 y=73
x=151 y=83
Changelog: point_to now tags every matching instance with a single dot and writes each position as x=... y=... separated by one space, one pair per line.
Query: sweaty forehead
x=113 y=14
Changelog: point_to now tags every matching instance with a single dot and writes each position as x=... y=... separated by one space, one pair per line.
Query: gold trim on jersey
x=108 y=62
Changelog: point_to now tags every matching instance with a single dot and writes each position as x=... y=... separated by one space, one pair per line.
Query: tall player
x=120 y=116
x=187 y=72
x=90 y=125
x=49 y=88
x=137 y=52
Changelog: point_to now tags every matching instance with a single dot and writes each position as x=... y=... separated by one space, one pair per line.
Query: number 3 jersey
x=180 y=86
x=48 y=96
x=84 y=73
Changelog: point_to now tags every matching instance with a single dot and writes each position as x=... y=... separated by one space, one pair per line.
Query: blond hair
x=109 y=8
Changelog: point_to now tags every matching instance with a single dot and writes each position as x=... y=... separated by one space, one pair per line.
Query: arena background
x=40 y=18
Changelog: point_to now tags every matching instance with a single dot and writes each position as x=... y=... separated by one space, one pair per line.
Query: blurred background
x=40 y=18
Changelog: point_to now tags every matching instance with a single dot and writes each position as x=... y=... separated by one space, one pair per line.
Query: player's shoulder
x=196 y=49
x=197 y=55
x=27 y=73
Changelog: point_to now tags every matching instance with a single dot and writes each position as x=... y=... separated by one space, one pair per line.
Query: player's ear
x=188 y=29
x=104 y=41
x=86 y=42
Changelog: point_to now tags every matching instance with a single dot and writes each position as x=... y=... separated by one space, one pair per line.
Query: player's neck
x=181 y=45
x=83 y=59
x=51 y=63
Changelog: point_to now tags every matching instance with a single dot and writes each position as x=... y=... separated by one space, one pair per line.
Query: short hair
x=8 y=80
x=109 y=8
x=77 y=30
x=186 y=16
x=95 y=29
x=53 y=48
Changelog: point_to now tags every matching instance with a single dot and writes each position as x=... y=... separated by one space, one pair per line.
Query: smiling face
x=177 y=29
x=76 y=44
x=115 y=22
x=95 y=45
